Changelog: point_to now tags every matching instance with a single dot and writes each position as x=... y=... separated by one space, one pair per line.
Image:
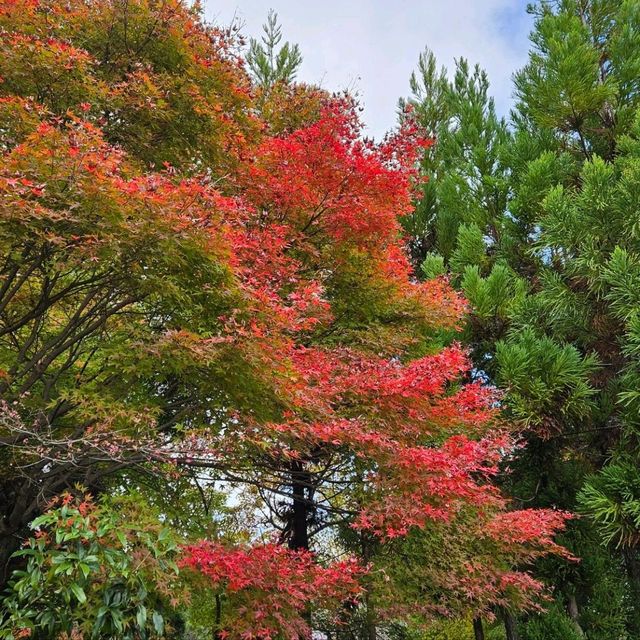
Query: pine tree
x=269 y=64
x=541 y=234
x=466 y=187
x=577 y=103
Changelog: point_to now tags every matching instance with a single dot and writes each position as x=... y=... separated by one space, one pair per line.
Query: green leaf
x=141 y=616
x=121 y=538
x=85 y=569
x=158 y=623
x=78 y=592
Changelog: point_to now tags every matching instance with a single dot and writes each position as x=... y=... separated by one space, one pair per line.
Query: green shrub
x=552 y=625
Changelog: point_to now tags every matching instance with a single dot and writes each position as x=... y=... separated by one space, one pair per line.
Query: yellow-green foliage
x=461 y=629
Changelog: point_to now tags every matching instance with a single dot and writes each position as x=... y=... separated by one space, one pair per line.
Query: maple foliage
x=268 y=588
x=331 y=193
x=152 y=75
x=249 y=308
x=473 y=565
x=423 y=446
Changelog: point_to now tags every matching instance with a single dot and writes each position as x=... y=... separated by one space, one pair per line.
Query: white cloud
x=373 y=45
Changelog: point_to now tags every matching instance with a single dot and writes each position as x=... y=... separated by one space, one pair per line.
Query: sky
x=371 y=46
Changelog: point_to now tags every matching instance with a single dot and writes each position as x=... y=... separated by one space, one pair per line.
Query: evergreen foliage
x=536 y=220
x=269 y=64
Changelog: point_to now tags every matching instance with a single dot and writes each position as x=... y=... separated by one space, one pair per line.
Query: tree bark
x=9 y=543
x=572 y=610
x=300 y=479
x=510 y=626
x=478 y=629
x=371 y=630
x=217 y=631
x=22 y=500
x=15 y=516
x=299 y=524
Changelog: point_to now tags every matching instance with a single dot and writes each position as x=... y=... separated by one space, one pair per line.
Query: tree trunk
x=217 y=631
x=370 y=631
x=299 y=524
x=478 y=629
x=9 y=543
x=300 y=481
x=572 y=610
x=21 y=501
x=19 y=509
x=510 y=626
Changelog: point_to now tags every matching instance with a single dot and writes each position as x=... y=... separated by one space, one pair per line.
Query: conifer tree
x=466 y=186
x=269 y=64
x=550 y=268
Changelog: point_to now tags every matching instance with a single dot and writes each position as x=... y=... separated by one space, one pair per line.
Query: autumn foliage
x=272 y=587
x=184 y=285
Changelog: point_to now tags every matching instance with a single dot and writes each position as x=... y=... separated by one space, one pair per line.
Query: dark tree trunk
x=217 y=631
x=21 y=501
x=367 y=551
x=300 y=511
x=478 y=629
x=19 y=509
x=300 y=482
x=9 y=543
x=371 y=628
x=510 y=626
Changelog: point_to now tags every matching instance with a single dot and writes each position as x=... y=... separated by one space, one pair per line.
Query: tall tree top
x=269 y=64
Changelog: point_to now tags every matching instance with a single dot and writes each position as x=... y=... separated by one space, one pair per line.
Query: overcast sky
x=371 y=46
